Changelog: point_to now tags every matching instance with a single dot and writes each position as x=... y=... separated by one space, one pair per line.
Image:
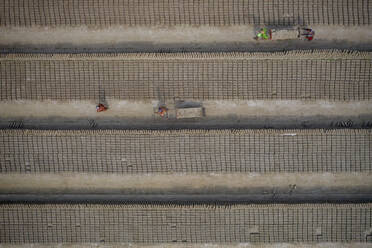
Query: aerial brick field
x=132 y=123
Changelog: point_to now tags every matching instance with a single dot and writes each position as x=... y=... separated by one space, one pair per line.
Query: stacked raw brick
x=191 y=151
x=191 y=224
x=184 y=12
x=300 y=75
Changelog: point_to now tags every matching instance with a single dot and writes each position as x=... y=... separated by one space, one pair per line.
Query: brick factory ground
x=287 y=127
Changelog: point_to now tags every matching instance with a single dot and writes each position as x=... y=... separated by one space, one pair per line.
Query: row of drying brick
x=198 y=151
x=184 y=12
x=333 y=76
x=190 y=224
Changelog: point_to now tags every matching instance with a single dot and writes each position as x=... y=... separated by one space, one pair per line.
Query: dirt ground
x=180 y=183
x=218 y=114
x=178 y=37
x=14 y=109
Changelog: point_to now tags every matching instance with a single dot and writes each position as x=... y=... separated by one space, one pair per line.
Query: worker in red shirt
x=100 y=107
x=308 y=33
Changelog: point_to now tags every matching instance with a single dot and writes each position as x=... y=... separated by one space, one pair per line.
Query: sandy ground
x=179 y=183
x=118 y=108
x=177 y=34
x=241 y=245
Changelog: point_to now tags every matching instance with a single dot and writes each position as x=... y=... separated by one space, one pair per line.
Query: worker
x=100 y=107
x=162 y=111
x=308 y=33
x=263 y=34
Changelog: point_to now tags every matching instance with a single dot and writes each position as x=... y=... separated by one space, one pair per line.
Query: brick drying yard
x=281 y=156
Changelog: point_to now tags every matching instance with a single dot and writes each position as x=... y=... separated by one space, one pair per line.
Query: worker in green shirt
x=263 y=34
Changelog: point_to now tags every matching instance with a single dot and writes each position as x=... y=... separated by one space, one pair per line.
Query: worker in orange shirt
x=100 y=107
x=162 y=111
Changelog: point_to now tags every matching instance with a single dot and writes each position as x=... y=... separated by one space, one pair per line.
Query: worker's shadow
x=285 y=22
x=282 y=22
x=102 y=97
x=161 y=98
x=187 y=104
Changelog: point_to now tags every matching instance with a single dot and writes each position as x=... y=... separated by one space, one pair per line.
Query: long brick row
x=184 y=12
x=197 y=151
x=300 y=75
x=187 y=224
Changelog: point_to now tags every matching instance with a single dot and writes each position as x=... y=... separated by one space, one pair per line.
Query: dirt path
x=174 y=39
x=223 y=109
x=213 y=183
